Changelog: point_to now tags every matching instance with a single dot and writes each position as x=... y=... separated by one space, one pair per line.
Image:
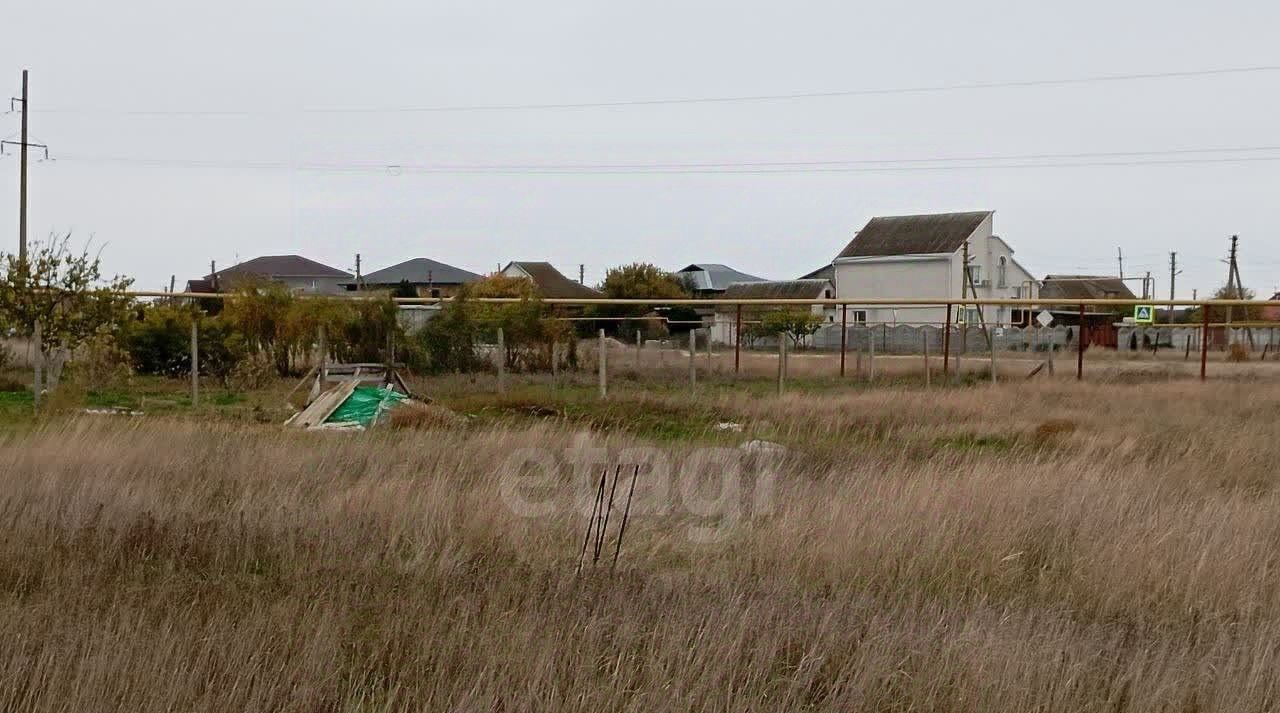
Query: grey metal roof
x=421 y=270
x=779 y=290
x=280 y=266
x=711 y=276
x=914 y=234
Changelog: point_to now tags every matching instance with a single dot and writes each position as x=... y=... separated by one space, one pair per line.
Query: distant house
x=826 y=272
x=426 y=277
x=711 y=279
x=724 y=325
x=1065 y=288
x=301 y=275
x=550 y=282
x=914 y=256
x=1272 y=314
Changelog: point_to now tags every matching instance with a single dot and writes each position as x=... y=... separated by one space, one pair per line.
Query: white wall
x=937 y=275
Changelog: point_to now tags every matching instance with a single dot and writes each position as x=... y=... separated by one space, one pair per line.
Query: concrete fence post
x=992 y=334
x=603 y=358
x=639 y=349
x=710 y=357
x=502 y=361
x=871 y=356
x=323 y=367
x=928 y=376
x=555 y=362
x=782 y=363
x=37 y=338
x=693 y=357
x=195 y=362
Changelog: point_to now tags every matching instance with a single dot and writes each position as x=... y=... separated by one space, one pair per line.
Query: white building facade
x=922 y=256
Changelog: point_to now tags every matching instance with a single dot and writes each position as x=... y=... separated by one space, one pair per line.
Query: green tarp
x=365 y=404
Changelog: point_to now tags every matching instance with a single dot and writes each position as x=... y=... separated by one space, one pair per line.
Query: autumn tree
x=64 y=291
x=638 y=280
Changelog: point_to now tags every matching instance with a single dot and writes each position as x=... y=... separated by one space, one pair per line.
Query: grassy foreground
x=1048 y=547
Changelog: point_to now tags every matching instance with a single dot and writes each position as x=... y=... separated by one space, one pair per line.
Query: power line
x=887 y=91
x=396 y=169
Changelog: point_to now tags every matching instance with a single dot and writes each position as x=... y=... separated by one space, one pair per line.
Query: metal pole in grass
x=639 y=348
x=37 y=338
x=1204 y=341
x=626 y=515
x=1080 y=348
x=603 y=358
x=693 y=357
x=946 y=346
x=195 y=362
x=844 y=334
x=502 y=361
x=782 y=362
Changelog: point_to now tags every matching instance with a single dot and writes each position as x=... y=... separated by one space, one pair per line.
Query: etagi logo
x=708 y=490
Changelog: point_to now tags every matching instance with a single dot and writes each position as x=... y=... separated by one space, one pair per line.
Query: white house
x=725 y=321
x=916 y=256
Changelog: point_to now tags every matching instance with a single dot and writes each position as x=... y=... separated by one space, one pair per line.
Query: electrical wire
x=745 y=98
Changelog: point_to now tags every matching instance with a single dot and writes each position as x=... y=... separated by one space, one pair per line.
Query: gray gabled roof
x=914 y=234
x=779 y=290
x=279 y=266
x=421 y=271
x=714 y=276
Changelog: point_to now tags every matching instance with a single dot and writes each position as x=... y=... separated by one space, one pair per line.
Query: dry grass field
x=1039 y=546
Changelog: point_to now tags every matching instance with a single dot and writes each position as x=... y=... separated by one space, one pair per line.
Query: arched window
x=1004 y=267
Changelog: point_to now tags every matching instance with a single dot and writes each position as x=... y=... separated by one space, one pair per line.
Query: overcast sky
x=261 y=166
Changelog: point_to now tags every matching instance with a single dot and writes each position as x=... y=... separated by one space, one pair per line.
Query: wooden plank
x=323 y=407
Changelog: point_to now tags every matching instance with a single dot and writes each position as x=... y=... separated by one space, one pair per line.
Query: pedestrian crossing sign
x=1144 y=314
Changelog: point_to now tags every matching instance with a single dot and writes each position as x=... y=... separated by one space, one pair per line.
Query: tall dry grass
x=1046 y=548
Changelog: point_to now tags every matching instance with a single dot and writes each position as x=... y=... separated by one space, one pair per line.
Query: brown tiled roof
x=553 y=284
x=1084 y=287
x=778 y=290
x=914 y=234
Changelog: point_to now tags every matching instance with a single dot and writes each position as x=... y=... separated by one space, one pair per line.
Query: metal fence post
x=946 y=346
x=844 y=334
x=603 y=358
x=195 y=362
x=502 y=361
x=1080 y=347
x=1204 y=341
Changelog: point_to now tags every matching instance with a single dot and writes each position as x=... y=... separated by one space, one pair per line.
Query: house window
x=826 y=294
x=1000 y=278
x=971 y=316
x=975 y=273
x=859 y=316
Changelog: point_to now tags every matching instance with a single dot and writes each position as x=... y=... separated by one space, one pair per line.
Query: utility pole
x=1120 y=260
x=966 y=287
x=1235 y=285
x=23 y=143
x=1173 y=276
x=1148 y=287
x=582 y=274
x=359 y=279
